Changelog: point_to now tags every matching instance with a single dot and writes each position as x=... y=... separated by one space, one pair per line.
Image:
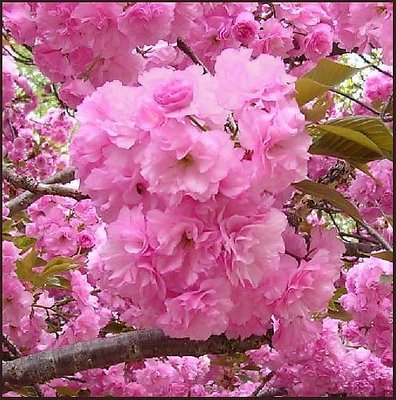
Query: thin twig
x=375 y=234
x=374 y=111
x=359 y=237
x=11 y=347
x=375 y=66
x=189 y=53
x=264 y=381
x=61 y=103
x=196 y=123
x=386 y=106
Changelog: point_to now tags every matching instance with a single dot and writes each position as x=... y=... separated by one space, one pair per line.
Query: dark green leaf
x=343 y=143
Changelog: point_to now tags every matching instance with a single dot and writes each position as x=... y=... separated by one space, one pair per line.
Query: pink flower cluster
x=327 y=367
x=374 y=196
x=26 y=327
x=32 y=144
x=377 y=90
x=193 y=235
x=62 y=226
x=369 y=301
x=82 y=46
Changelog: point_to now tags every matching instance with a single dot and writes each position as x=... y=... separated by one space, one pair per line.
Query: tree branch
x=27 y=198
x=104 y=352
x=189 y=53
x=55 y=189
x=15 y=353
x=375 y=234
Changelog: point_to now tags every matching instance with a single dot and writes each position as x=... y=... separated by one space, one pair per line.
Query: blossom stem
x=189 y=53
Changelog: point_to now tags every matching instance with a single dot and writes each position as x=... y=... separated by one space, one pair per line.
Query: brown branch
x=189 y=53
x=280 y=392
x=264 y=381
x=55 y=189
x=27 y=198
x=104 y=352
x=359 y=249
x=375 y=234
x=15 y=353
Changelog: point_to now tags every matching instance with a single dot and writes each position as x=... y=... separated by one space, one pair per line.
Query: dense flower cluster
x=184 y=236
x=82 y=46
x=62 y=226
x=369 y=301
x=327 y=367
x=33 y=144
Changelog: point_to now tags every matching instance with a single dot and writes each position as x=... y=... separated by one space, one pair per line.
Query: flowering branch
x=104 y=352
x=27 y=198
x=189 y=53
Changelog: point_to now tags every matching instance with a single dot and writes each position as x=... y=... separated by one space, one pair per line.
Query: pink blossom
x=174 y=95
x=245 y=27
x=250 y=261
x=146 y=23
x=274 y=39
x=319 y=42
x=18 y=19
x=199 y=313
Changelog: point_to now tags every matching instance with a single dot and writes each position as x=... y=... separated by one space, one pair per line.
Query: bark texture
x=102 y=353
x=27 y=198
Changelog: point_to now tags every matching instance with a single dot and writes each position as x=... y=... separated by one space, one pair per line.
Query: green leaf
x=7 y=226
x=326 y=75
x=345 y=143
x=384 y=255
x=372 y=128
x=330 y=195
x=24 y=267
x=56 y=282
x=339 y=314
x=57 y=265
x=26 y=391
x=24 y=242
x=64 y=391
